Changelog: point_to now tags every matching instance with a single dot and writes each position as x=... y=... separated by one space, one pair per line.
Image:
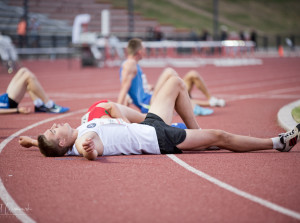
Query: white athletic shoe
x=289 y=139
x=213 y=101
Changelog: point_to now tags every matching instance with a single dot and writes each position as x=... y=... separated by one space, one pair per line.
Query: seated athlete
x=134 y=83
x=24 y=80
x=103 y=137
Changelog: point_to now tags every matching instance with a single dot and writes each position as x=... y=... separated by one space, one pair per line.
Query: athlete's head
x=57 y=140
x=135 y=47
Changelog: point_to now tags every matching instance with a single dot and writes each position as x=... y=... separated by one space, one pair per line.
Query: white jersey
x=121 y=138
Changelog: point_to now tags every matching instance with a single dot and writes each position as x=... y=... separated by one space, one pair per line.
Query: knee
x=21 y=72
x=29 y=76
x=222 y=137
x=178 y=83
x=170 y=72
x=26 y=73
x=192 y=75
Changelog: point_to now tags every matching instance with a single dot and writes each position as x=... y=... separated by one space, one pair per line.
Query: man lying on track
x=24 y=80
x=100 y=109
x=103 y=137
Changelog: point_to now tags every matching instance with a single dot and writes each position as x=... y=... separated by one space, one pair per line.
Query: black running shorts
x=12 y=103
x=168 y=137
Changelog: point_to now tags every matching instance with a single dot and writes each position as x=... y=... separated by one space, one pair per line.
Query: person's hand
x=25 y=141
x=88 y=145
x=24 y=110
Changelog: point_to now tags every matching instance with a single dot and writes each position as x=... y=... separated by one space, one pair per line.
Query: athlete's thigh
x=166 y=74
x=164 y=102
x=17 y=87
x=198 y=139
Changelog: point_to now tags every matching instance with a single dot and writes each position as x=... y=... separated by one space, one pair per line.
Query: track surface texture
x=154 y=188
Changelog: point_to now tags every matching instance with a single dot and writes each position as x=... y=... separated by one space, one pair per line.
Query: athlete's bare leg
x=174 y=95
x=193 y=78
x=166 y=74
x=23 y=81
x=199 y=140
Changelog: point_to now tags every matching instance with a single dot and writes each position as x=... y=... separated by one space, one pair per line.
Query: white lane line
x=258 y=84
x=235 y=190
x=4 y=195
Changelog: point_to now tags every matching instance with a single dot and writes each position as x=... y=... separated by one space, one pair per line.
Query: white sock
x=38 y=102
x=213 y=101
x=276 y=143
x=49 y=104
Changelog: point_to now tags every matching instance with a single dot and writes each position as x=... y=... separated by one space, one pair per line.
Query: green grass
x=296 y=114
x=268 y=17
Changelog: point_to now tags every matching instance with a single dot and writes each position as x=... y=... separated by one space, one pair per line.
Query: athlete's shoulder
x=129 y=63
x=129 y=68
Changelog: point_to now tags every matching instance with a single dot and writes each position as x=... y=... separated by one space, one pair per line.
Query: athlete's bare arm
x=89 y=145
x=23 y=110
x=88 y=149
x=27 y=142
x=113 y=110
x=128 y=73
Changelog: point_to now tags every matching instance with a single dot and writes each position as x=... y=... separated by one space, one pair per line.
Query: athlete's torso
x=117 y=137
x=138 y=90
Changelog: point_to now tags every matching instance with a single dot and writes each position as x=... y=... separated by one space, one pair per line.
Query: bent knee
x=192 y=74
x=178 y=82
x=170 y=72
x=24 y=72
x=21 y=72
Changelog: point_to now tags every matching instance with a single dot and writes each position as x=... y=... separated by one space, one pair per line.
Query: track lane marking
x=4 y=195
x=235 y=190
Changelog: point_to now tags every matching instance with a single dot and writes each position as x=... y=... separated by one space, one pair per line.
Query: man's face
x=59 y=132
x=142 y=52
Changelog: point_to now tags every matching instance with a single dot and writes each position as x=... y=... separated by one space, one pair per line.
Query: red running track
x=153 y=188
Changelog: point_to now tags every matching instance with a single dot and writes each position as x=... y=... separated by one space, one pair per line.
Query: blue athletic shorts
x=6 y=102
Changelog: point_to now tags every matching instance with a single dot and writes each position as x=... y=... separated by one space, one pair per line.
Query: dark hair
x=133 y=46
x=50 y=148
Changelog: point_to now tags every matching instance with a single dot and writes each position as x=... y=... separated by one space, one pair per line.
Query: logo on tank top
x=92 y=125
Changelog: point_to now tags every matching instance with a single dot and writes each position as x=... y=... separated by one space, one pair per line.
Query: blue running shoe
x=202 y=111
x=179 y=125
x=56 y=109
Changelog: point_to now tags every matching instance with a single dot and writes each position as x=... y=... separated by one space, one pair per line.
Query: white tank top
x=120 y=138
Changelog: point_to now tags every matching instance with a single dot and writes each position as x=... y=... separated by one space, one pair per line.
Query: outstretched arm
x=27 y=142
x=23 y=110
x=121 y=111
x=113 y=110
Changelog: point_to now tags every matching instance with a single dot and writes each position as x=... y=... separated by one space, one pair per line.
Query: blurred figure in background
x=34 y=27
x=21 y=31
x=8 y=53
x=25 y=81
